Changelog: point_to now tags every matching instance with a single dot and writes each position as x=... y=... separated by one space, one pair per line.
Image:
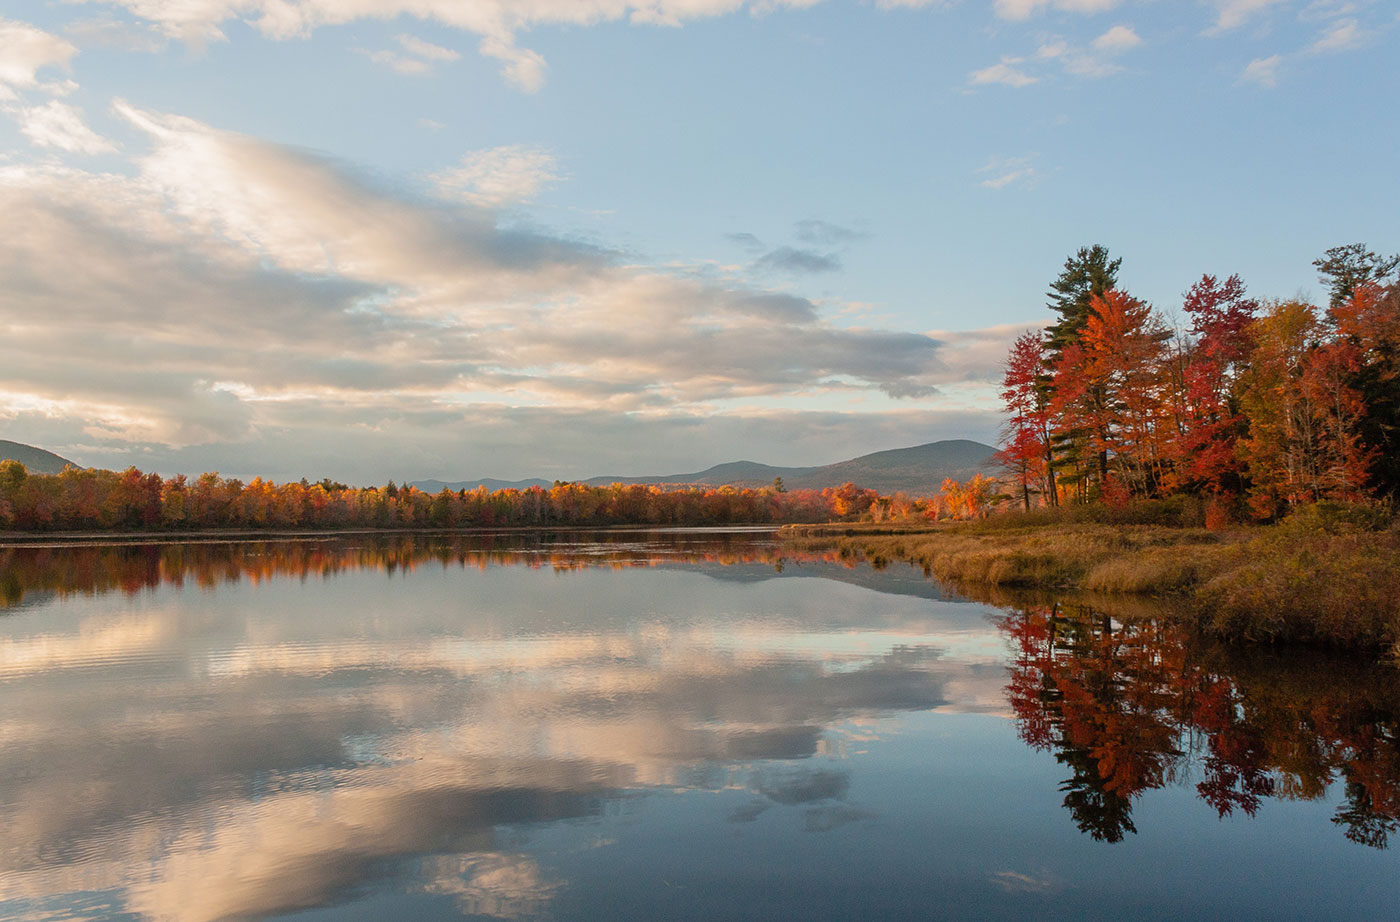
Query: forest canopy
x=1258 y=406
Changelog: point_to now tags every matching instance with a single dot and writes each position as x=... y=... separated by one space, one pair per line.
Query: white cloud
x=523 y=67
x=1262 y=71
x=1322 y=10
x=426 y=50
x=499 y=176
x=25 y=50
x=497 y=22
x=1231 y=14
x=417 y=56
x=61 y=126
x=1004 y=73
x=1117 y=40
x=1006 y=171
x=1023 y=9
x=1097 y=61
x=108 y=32
x=233 y=290
x=1342 y=35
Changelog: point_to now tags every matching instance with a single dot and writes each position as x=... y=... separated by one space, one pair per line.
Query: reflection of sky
x=510 y=742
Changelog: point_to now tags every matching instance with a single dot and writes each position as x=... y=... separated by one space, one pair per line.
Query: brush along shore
x=1320 y=576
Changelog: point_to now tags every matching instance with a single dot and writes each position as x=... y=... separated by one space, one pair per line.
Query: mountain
x=918 y=471
x=435 y=486
x=35 y=460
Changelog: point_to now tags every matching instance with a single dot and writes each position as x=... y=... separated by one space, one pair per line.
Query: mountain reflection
x=1129 y=706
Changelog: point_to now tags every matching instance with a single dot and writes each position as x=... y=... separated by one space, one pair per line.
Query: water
x=655 y=725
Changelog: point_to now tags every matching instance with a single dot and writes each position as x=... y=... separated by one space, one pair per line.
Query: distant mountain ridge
x=35 y=460
x=919 y=470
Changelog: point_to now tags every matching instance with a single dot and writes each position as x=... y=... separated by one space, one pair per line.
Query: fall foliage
x=1262 y=407
x=1133 y=705
x=132 y=500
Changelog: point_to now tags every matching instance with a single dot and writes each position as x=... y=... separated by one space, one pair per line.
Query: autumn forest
x=1258 y=406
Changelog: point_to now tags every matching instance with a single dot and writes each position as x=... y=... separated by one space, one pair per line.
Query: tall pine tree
x=1086 y=275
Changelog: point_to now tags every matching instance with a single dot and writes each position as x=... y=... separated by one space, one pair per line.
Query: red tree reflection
x=1131 y=705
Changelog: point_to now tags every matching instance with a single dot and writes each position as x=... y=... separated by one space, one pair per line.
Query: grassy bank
x=1319 y=577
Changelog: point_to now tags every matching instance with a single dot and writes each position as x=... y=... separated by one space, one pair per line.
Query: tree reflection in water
x=1131 y=705
x=1126 y=703
x=130 y=567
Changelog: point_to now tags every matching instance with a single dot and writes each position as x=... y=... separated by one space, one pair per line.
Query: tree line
x=1256 y=405
x=132 y=500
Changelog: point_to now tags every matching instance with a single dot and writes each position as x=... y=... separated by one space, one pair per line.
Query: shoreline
x=1303 y=580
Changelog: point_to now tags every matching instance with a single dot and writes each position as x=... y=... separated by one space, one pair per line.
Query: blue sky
x=495 y=238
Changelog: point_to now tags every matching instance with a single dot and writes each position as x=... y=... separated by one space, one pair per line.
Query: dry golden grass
x=1314 y=578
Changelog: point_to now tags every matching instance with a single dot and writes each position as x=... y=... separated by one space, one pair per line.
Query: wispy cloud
x=1004 y=72
x=1100 y=59
x=1024 y=9
x=1231 y=14
x=109 y=32
x=794 y=259
x=416 y=57
x=1341 y=35
x=496 y=23
x=499 y=176
x=61 y=126
x=1005 y=171
x=824 y=233
x=1262 y=71
x=1016 y=882
x=745 y=241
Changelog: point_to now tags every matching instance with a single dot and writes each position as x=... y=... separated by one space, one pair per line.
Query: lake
x=647 y=725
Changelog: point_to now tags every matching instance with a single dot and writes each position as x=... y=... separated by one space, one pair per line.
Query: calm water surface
x=653 y=725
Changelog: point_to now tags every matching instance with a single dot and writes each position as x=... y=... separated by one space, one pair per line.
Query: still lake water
x=655 y=725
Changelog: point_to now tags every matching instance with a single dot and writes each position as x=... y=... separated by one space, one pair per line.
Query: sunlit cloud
x=61 y=126
x=26 y=50
x=500 y=176
x=233 y=288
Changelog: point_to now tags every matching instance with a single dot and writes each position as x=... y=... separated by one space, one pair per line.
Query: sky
x=375 y=239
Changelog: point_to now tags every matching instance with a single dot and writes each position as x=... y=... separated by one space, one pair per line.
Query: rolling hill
x=918 y=471
x=35 y=460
